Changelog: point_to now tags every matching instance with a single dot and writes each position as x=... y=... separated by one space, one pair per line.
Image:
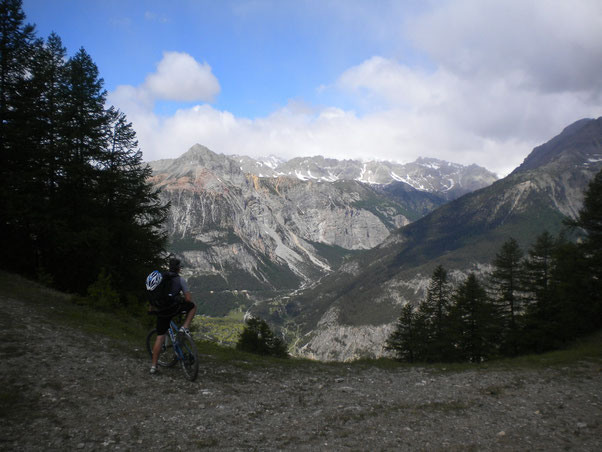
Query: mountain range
x=250 y=229
x=330 y=250
x=450 y=180
x=350 y=312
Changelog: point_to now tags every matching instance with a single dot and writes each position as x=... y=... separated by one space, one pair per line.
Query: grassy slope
x=125 y=332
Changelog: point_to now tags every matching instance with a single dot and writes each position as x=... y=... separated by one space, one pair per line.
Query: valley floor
x=65 y=389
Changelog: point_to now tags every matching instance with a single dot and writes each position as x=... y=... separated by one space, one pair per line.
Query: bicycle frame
x=183 y=349
x=173 y=334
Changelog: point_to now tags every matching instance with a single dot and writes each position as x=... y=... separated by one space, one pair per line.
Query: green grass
x=61 y=308
x=72 y=311
x=222 y=330
x=587 y=349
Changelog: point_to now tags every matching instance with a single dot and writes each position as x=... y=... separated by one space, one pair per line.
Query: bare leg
x=189 y=317
x=157 y=349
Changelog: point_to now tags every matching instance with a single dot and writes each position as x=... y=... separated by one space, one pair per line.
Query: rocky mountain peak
x=434 y=163
x=201 y=161
x=577 y=144
x=201 y=156
x=425 y=174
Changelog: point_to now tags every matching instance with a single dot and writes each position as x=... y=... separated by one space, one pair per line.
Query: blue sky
x=469 y=81
x=263 y=52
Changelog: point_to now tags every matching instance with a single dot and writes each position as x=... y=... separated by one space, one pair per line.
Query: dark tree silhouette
x=436 y=312
x=505 y=284
x=257 y=337
x=473 y=322
x=75 y=197
x=404 y=341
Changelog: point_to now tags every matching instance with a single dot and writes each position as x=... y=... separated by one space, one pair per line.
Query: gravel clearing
x=64 y=389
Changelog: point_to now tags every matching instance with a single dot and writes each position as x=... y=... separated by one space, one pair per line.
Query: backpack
x=158 y=288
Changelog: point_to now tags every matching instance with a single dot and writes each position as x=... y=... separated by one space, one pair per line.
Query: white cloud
x=503 y=77
x=179 y=77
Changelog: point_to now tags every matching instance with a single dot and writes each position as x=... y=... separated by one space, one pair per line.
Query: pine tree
x=473 y=322
x=571 y=313
x=435 y=310
x=16 y=43
x=404 y=341
x=257 y=337
x=79 y=235
x=75 y=196
x=16 y=39
x=130 y=208
x=505 y=282
x=541 y=311
x=39 y=140
x=590 y=221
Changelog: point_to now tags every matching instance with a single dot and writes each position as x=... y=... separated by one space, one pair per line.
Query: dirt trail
x=63 y=389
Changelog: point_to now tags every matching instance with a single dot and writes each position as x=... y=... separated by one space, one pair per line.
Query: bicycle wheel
x=190 y=357
x=167 y=357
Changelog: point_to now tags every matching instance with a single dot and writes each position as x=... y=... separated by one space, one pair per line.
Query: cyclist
x=182 y=302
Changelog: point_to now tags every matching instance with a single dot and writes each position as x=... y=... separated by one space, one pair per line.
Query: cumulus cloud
x=502 y=78
x=179 y=77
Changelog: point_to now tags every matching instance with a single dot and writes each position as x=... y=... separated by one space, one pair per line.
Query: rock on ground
x=65 y=389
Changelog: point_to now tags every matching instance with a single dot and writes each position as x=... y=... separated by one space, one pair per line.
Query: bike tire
x=167 y=357
x=190 y=357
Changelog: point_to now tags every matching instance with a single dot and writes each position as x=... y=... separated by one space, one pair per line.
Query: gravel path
x=62 y=389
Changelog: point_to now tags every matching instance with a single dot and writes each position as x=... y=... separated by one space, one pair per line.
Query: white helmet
x=153 y=280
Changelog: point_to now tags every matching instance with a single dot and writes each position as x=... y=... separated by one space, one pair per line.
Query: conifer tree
x=436 y=311
x=590 y=221
x=130 y=207
x=473 y=322
x=541 y=311
x=75 y=195
x=404 y=341
x=39 y=141
x=424 y=333
x=16 y=41
x=570 y=313
x=257 y=337
x=83 y=125
x=505 y=282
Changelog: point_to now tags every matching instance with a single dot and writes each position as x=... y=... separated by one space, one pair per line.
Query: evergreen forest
x=78 y=211
x=530 y=302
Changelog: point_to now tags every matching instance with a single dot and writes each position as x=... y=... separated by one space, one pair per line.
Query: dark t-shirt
x=178 y=286
x=178 y=289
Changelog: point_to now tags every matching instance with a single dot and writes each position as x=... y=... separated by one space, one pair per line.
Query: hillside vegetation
x=74 y=377
x=76 y=312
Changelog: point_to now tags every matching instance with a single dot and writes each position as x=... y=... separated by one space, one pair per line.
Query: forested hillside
x=74 y=198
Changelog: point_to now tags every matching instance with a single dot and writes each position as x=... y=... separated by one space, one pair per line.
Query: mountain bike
x=176 y=347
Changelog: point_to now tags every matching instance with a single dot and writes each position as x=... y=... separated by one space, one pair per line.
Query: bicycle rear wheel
x=167 y=357
x=190 y=357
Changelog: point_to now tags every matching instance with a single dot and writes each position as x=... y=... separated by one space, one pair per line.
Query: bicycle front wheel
x=190 y=357
x=167 y=357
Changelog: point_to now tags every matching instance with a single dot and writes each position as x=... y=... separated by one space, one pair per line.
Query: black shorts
x=164 y=319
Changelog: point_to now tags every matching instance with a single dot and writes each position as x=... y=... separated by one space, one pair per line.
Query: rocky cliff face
x=347 y=315
x=246 y=229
